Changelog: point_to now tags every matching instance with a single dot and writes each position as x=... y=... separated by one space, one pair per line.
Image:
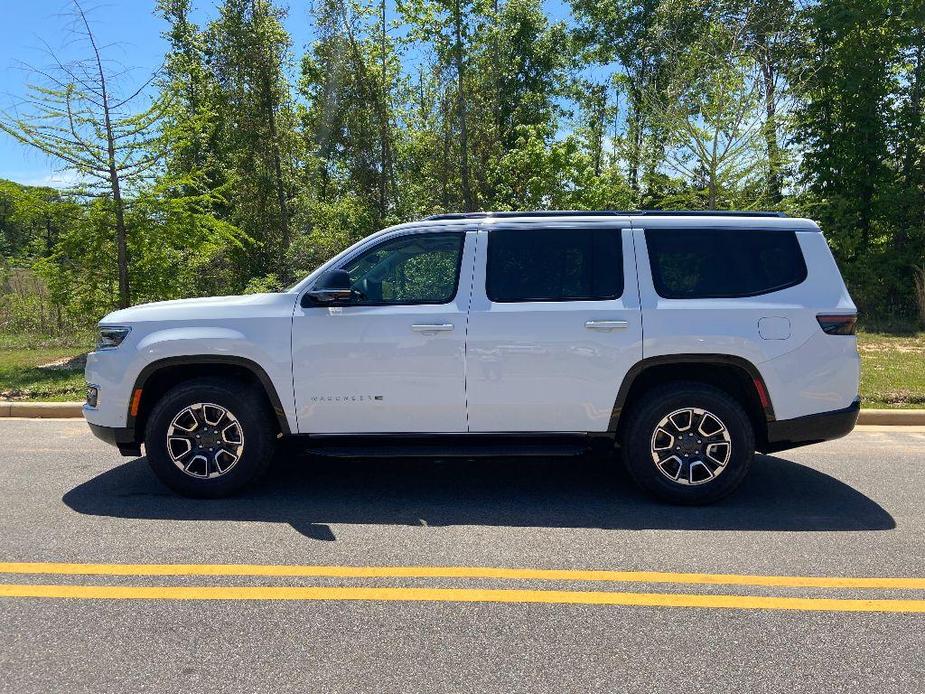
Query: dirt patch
x=898 y=397
x=66 y=364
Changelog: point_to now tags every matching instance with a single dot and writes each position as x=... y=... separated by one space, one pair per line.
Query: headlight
x=110 y=337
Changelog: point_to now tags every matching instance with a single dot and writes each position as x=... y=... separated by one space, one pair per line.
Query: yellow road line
x=459 y=572
x=456 y=595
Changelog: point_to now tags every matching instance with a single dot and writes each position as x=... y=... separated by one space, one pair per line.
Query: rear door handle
x=606 y=324
x=432 y=327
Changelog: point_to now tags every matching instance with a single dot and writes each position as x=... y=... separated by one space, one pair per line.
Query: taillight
x=844 y=324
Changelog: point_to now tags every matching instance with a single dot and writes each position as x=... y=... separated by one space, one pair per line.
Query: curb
x=888 y=418
x=892 y=418
x=42 y=409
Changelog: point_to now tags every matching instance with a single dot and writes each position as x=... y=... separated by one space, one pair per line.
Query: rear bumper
x=121 y=437
x=814 y=428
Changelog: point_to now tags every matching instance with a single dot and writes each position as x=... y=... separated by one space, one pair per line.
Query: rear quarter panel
x=805 y=371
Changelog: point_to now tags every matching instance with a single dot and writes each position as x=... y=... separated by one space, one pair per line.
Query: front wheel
x=209 y=438
x=689 y=443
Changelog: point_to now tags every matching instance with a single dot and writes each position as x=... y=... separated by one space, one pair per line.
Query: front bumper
x=814 y=428
x=121 y=437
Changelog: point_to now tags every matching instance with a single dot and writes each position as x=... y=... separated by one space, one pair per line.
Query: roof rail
x=708 y=213
x=602 y=213
x=528 y=213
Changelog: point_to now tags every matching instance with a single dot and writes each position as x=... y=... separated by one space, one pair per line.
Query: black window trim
x=556 y=300
x=392 y=237
x=803 y=276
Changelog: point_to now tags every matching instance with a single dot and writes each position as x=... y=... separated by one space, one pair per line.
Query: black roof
x=604 y=213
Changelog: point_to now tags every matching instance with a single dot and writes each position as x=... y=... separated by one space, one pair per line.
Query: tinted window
x=554 y=264
x=718 y=263
x=413 y=269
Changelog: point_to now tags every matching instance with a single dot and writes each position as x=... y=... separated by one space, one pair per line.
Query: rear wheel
x=688 y=443
x=209 y=438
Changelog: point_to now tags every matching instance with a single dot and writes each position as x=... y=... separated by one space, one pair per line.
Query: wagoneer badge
x=345 y=398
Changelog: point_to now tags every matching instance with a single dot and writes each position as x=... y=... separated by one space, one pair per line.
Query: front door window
x=414 y=269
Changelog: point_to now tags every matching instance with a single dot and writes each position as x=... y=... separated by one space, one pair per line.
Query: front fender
x=260 y=344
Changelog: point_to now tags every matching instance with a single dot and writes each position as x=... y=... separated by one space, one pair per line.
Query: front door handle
x=606 y=324
x=432 y=327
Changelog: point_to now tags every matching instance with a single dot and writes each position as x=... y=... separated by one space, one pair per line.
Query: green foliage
x=247 y=167
x=860 y=158
x=263 y=285
x=335 y=225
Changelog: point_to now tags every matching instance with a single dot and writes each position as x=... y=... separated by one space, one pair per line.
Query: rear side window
x=723 y=263
x=554 y=265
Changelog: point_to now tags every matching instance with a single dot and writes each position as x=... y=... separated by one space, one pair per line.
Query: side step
x=449 y=446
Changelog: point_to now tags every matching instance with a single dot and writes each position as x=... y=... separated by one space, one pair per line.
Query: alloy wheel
x=691 y=446
x=205 y=440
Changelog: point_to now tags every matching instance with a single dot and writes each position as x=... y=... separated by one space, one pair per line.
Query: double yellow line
x=426 y=594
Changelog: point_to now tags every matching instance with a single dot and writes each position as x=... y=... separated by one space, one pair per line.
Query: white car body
x=475 y=366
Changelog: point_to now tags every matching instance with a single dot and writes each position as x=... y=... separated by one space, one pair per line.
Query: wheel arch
x=737 y=376
x=159 y=376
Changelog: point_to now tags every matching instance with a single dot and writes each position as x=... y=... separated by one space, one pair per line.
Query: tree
x=518 y=76
x=844 y=131
x=77 y=117
x=710 y=108
x=32 y=220
x=192 y=123
x=348 y=82
x=910 y=128
x=462 y=105
x=623 y=31
x=773 y=34
x=445 y=24
x=248 y=49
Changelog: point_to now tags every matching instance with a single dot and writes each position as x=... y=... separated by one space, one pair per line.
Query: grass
x=892 y=368
x=20 y=375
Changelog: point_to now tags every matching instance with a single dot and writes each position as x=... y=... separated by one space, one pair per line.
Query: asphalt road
x=850 y=508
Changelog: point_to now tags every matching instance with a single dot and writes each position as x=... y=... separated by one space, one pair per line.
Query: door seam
x=642 y=320
x=475 y=252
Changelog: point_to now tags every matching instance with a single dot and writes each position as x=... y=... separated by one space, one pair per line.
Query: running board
x=449 y=446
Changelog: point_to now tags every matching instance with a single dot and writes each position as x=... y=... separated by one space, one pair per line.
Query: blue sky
x=132 y=36
x=128 y=28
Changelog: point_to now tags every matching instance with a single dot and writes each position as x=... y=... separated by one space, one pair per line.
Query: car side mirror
x=331 y=287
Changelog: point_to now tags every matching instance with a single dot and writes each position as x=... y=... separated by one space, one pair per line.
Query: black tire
x=639 y=438
x=246 y=404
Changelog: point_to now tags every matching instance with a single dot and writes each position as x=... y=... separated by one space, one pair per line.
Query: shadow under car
x=311 y=493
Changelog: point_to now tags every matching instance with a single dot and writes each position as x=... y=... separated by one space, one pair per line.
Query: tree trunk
x=444 y=161
x=598 y=125
x=121 y=245
x=713 y=172
x=496 y=68
x=270 y=105
x=49 y=237
x=634 y=156
x=125 y=299
x=376 y=94
x=280 y=183
x=914 y=159
x=383 y=125
x=775 y=182
x=468 y=203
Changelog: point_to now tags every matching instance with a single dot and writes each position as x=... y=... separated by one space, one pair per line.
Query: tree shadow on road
x=311 y=493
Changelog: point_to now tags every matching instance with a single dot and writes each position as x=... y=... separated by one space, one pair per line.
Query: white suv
x=688 y=339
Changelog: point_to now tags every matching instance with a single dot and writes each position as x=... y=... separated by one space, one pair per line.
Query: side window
x=723 y=263
x=571 y=264
x=413 y=269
